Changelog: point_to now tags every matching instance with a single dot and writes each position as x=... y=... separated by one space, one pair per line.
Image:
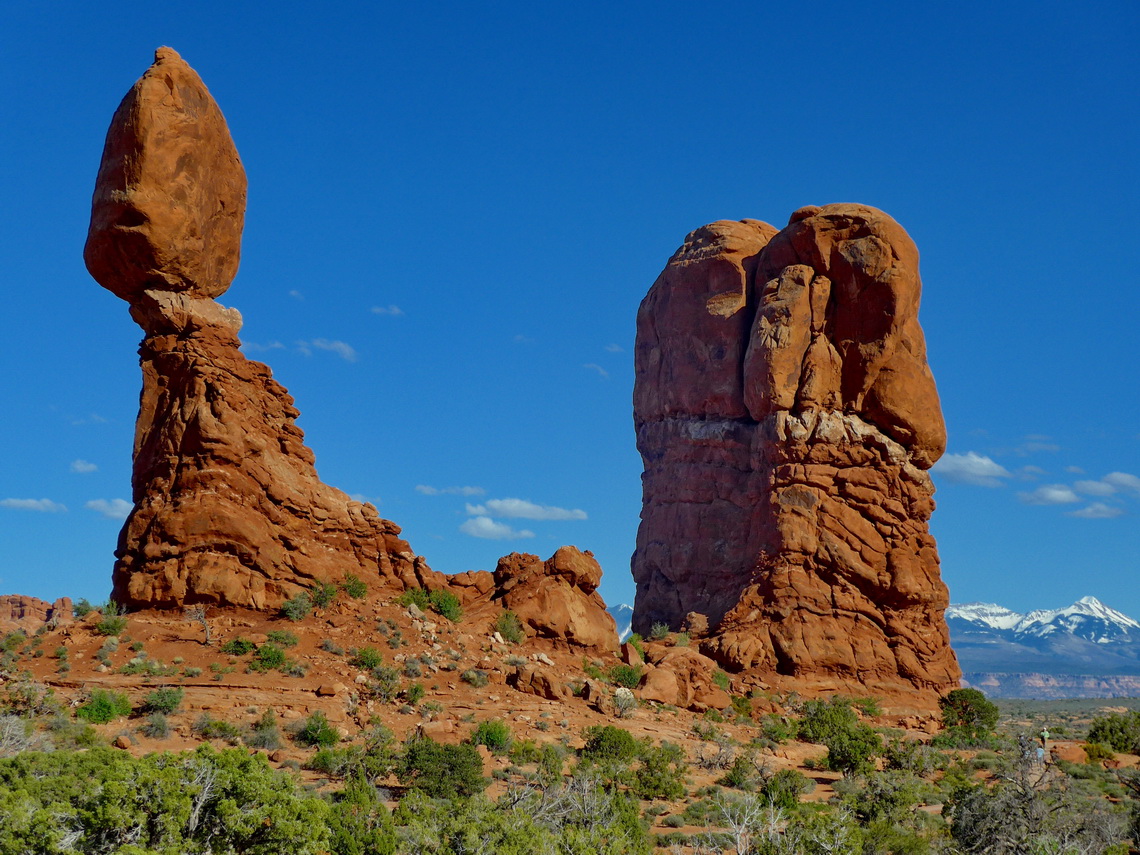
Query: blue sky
x=455 y=210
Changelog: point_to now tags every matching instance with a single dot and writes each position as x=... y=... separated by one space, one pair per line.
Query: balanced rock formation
x=557 y=599
x=228 y=508
x=786 y=417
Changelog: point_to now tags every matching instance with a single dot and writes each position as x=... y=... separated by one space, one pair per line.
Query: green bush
x=387 y=682
x=969 y=710
x=721 y=679
x=298 y=607
x=156 y=726
x=354 y=586
x=208 y=727
x=111 y=625
x=852 y=751
x=414 y=693
x=609 y=743
x=785 y=788
x=316 y=730
x=368 y=658
x=475 y=677
x=82 y=608
x=446 y=604
x=510 y=627
x=165 y=700
x=824 y=719
x=104 y=706
x=264 y=733
x=495 y=734
x=441 y=771
x=323 y=594
x=283 y=637
x=660 y=773
x=417 y=597
x=238 y=647
x=267 y=657
x=625 y=675
x=659 y=631
x=1120 y=732
x=1095 y=752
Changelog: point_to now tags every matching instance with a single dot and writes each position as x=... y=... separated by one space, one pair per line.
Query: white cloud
x=1050 y=494
x=524 y=510
x=595 y=367
x=296 y=295
x=488 y=529
x=342 y=349
x=46 y=506
x=1097 y=511
x=971 y=468
x=112 y=509
x=83 y=467
x=449 y=491
x=1122 y=481
x=1094 y=488
x=1074 y=470
x=391 y=311
x=365 y=500
x=258 y=348
x=1036 y=443
x=615 y=348
x=1030 y=473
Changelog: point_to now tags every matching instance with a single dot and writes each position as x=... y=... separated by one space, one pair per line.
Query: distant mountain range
x=1086 y=650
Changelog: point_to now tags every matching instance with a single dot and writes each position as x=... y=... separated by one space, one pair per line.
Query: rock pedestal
x=228 y=507
x=786 y=417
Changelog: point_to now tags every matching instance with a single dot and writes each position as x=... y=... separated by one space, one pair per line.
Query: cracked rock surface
x=786 y=417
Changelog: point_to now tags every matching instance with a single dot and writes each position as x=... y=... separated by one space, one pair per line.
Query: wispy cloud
x=93 y=418
x=45 y=506
x=1094 y=488
x=1036 y=443
x=971 y=468
x=83 y=467
x=524 y=510
x=615 y=348
x=1097 y=511
x=428 y=490
x=1074 y=470
x=342 y=349
x=1123 y=481
x=1050 y=494
x=365 y=500
x=522 y=339
x=1030 y=473
x=112 y=509
x=487 y=528
x=261 y=348
x=392 y=311
x=296 y=295
x=595 y=367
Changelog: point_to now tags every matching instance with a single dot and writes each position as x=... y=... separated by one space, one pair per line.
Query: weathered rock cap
x=169 y=200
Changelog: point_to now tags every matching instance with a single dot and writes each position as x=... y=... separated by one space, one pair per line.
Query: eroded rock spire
x=786 y=417
x=228 y=508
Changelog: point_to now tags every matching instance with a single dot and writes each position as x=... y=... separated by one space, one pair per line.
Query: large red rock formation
x=786 y=417
x=228 y=508
x=28 y=614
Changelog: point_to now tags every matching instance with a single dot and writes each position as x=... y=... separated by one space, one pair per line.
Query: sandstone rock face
x=28 y=614
x=228 y=508
x=786 y=417
x=557 y=599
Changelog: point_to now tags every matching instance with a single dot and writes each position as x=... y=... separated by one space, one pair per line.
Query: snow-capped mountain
x=623 y=616
x=1087 y=618
x=1084 y=650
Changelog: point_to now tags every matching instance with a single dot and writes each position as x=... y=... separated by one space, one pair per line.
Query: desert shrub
x=625 y=675
x=192 y=671
x=264 y=733
x=475 y=677
x=969 y=711
x=414 y=693
x=868 y=706
x=267 y=657
x=282 y=637
x=606 y=743
x=142 y=666
x=354 y=586
x=494 y=733
x=785 y=787
x=165 y=700
x=441 y=771
x=298 y=607
x=637 y=643
x=777 y=728
x=111 y=624
x=659 y=773
x=910 y=755
x=721 y=679
x=238 y=646
x=1119 y=731
x=330 y=646
x=322 y=594
x=104 y=706
x=367 y=658
x=823 y=719
x=624 y=702
x=446 y=604
x=316 y=730
x=156 y=726
x=386 y=682
x=417 y=597
x=336 y=762
x=208 y=727
x=659 y=631
x=82 y=608
x=508 y=625
x=1095 y=752
x=852 y=751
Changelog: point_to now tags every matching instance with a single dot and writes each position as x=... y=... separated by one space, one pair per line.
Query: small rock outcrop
x=228 y=508
x=557 y=599
x=786 y=417
x=29 y=614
